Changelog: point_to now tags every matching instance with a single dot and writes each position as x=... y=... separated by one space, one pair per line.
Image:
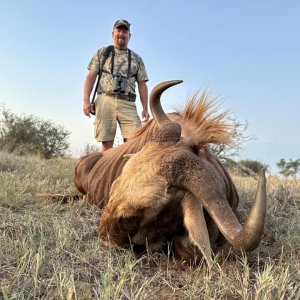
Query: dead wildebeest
x=166 y=187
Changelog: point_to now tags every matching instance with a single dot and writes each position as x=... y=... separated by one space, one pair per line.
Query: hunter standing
x=119 y=69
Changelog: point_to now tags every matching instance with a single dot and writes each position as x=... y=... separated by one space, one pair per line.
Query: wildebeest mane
x=200 y=119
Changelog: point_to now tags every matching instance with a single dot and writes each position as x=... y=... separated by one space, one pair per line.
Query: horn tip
x=178 y=81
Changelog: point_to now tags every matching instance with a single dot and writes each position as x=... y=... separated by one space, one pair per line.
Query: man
x=116 y=91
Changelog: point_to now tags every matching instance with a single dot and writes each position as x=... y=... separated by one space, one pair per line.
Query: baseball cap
x=122 y=22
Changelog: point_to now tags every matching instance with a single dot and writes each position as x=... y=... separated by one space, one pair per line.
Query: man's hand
x=87 y=108
x=145 y=116
x=88 y=86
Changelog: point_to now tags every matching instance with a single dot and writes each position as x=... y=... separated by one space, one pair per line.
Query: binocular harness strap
x=105 y=55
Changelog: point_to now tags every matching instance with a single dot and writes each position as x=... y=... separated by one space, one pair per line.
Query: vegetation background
x=50 y=250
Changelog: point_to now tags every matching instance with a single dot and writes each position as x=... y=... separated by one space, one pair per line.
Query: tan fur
x=145 y=210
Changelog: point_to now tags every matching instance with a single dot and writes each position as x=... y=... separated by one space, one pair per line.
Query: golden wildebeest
x=166 y=187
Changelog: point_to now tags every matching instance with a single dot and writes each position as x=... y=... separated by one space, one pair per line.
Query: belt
x=128 y=97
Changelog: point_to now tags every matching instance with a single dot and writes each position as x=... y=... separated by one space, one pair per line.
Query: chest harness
x=106 y=53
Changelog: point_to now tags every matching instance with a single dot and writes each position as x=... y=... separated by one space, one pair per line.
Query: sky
x=248 y=52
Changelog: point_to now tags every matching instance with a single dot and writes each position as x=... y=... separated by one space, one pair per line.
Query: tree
x=226 y=153
x=290 y=168
x=31 y=135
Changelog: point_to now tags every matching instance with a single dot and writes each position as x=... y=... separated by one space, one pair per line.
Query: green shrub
x=31 y=135
x=253 y=165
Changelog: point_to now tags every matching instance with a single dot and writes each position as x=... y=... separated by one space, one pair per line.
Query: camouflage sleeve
x=142 y=73
x=94 y=63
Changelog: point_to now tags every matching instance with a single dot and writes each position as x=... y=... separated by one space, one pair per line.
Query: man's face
x=121 y=37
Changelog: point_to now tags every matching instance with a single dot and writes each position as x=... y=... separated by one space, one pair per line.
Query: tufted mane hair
x=200 y=120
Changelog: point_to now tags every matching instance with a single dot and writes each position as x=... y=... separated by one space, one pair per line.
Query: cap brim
x=122 y=25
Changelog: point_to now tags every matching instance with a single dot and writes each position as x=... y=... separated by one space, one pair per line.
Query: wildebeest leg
x=195 y=224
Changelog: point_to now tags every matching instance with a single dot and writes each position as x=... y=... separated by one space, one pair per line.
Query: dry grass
x=51 y=250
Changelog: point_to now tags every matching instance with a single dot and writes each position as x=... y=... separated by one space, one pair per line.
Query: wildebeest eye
x=195 y=149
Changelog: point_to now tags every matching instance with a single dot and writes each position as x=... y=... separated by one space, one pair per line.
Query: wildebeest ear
x=170 y=131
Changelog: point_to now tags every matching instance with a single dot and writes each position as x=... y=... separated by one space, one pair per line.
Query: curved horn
x=155 y=106
x=202 y=183
x=249 y=236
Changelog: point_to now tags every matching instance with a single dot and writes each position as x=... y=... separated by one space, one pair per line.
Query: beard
x=122 y=43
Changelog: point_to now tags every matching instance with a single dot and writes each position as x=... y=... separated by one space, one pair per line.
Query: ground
x=50 y=250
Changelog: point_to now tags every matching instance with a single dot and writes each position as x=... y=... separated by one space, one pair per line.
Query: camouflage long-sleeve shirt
x=137 y=70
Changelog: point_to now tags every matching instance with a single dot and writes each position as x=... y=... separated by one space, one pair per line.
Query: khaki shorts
x=109 y=112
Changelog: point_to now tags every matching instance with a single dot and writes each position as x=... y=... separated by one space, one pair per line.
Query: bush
x=31 y=135
x=253 y=165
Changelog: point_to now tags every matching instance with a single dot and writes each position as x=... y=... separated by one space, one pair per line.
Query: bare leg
x=107 y=145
